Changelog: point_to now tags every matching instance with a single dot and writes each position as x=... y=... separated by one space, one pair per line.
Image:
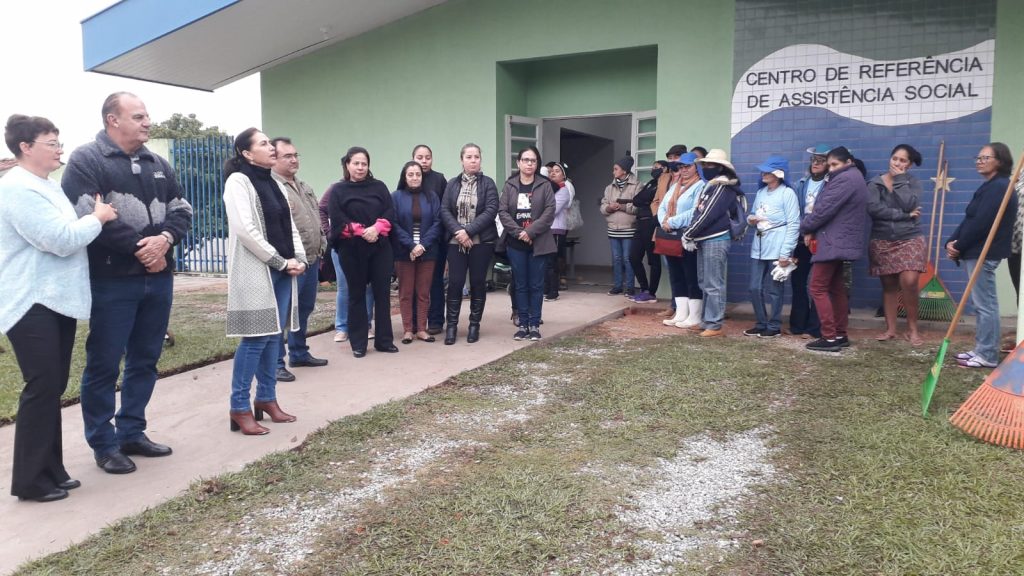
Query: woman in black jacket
x=643 y=237
x=468 y=210
x=362 y=214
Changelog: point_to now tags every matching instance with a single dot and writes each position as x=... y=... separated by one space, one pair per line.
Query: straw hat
x=717 y=156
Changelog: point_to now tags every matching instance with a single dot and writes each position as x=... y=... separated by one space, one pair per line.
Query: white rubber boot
x=695 y=313
x=682 y=311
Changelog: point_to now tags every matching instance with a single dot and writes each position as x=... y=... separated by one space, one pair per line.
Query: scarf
x=620 y=184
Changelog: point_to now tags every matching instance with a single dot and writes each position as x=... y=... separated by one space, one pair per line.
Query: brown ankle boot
x=245 y=422
x=272 y=409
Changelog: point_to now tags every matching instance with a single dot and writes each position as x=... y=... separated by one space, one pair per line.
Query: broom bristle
x=992 y=415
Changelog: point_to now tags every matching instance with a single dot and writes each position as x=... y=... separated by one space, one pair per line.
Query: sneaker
x=630 y=293
x=644 y=297
x=824 y=345
x=520 y=335
x=966 y=355
x=975 y=362
x=712 y=333
x=615 y=291
x=551 y=298
x=341 y=336
x=755 y=331
x=770 y=334
x=843 y=341
x=369 y=334
x=535 y=334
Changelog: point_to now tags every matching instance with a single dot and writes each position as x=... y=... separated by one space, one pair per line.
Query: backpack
x=738 y=217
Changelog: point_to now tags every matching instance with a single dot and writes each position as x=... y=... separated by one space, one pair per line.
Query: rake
x=934 y=301
x=994 y=413
x=932 y=379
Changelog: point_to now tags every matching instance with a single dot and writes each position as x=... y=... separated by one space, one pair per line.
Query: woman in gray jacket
x=897 y=249
x=526 y=209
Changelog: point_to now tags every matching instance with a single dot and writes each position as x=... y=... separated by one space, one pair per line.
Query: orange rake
x=994 y=413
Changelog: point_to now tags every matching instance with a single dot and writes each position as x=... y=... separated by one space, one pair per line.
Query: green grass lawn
x=197 y=320
x=521 y=467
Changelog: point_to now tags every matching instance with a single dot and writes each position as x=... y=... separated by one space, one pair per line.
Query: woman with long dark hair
x=414 y=240
x=994 y=163
x=44 y=274
x=468 y=209
x=265 y=255
x=362 y=216
x=896 y=251
x=527 y=209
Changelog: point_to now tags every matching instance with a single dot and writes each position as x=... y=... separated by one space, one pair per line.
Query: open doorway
x=589 y=146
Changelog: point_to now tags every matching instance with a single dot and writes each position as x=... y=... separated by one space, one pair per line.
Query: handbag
x=668 y=243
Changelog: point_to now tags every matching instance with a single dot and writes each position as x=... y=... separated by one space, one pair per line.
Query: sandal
x=975 y=363
x=914 y=340
x=885 y=336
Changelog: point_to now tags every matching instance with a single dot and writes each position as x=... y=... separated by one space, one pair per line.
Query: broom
x=934 y=301
x=928 y=386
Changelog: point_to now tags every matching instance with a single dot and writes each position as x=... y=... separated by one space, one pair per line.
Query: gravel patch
x=702 y=483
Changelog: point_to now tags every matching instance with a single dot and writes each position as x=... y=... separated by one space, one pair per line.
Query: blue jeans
x=711 y=258
x=257 y=355
x=129 y=319
x=985 y=300
x=528 y=271
x=622 y=271
x=341 y=301
x=308 y=281
x=764 y=293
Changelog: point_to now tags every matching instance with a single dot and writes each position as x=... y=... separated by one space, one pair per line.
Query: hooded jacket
x=714 y=205
x=624 y=219
x=840 y=217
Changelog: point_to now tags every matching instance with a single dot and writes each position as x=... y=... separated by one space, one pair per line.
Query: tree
x=182 y=126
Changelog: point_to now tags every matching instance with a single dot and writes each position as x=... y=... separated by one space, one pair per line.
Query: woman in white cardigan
x=264 y=256
x=44 y=288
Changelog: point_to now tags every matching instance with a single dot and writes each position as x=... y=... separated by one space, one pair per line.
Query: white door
x=520 y=132
x=642 y=142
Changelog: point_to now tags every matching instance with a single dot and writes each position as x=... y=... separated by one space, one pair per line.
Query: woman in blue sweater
x=994 y=163
x=415 y=242
x=44 y=272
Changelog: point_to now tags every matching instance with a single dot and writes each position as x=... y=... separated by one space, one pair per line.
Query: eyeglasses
x=53 y=144
x=818 y=160
x=983 y=158
x=528 y=160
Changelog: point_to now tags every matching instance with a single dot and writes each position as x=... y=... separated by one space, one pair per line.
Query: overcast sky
x=43 y=76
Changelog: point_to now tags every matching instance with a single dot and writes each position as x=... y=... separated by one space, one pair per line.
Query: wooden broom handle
x=935 y=201
x=984 y=249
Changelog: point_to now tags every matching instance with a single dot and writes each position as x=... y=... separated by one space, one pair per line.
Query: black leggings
x=643 y=243
x=477 y=262
x=368 y=263
x=682 y=274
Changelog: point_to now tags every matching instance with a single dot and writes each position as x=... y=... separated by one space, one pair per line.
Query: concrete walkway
x=189 y=412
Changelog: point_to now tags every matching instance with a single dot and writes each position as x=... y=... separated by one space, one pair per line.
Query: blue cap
x=820 y=150
x=688 y=158
x=774 y=163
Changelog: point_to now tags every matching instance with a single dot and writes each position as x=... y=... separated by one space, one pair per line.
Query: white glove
x=781 y=273
x=689 y=245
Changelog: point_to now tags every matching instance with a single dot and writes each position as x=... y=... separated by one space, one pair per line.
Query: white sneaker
x=341 y=336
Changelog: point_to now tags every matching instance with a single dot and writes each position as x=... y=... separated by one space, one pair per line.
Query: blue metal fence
x=198 y=163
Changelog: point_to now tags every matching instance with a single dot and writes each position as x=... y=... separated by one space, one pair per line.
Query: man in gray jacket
x=130 y=269
x=306 y=216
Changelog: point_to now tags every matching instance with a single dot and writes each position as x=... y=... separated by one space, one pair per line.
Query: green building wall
x=446 y=76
